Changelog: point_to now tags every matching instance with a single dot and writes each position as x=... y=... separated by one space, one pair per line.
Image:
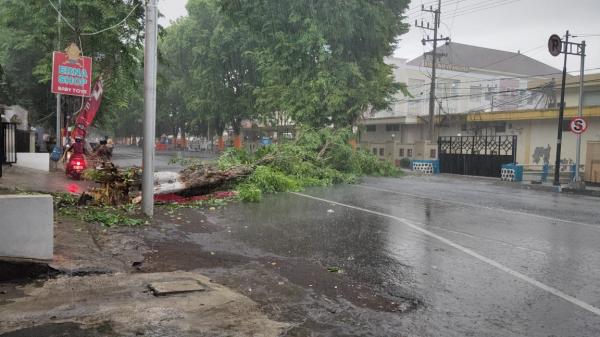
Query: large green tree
x=210 y=73
x=321 y=61
x=29 y=34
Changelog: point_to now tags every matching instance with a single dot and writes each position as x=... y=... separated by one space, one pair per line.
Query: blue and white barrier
x=512 y=172
x=426 y=166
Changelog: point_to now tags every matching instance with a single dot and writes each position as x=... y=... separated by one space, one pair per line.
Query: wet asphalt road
x=482 y=259
x=128 y=156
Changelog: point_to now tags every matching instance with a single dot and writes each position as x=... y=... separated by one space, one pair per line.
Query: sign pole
x=578 y=183
x=150 y=65
x=561 y=116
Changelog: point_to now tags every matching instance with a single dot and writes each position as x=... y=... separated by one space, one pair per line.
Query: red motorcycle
x=76 y=165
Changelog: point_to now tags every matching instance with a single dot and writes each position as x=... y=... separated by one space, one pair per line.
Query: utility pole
x=58 y=96
x=150 y=65
x=556 y=46
x=436 y=25
x=561 y=115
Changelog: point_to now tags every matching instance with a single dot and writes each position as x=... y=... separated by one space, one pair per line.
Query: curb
x=554 y=189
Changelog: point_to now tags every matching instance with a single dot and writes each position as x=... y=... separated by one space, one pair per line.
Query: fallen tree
x=315 y=158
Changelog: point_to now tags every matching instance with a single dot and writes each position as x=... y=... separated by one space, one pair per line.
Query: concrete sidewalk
x=592 y=191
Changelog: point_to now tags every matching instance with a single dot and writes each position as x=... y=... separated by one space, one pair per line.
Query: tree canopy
x=322 y=61
x=210 y=75
x=316 y=63
x=29 y=34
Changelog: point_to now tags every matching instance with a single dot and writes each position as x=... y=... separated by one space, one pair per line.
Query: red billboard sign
x=71 y=73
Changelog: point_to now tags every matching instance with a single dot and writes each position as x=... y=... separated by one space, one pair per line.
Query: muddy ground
x=307 y=297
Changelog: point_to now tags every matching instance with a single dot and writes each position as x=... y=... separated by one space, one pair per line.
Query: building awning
x=392 y=120
x=521 y=115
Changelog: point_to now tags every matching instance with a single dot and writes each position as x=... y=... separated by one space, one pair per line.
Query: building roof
x=470 y=58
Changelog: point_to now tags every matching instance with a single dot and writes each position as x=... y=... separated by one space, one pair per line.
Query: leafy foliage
x=209 y=75
x=316 y=158
x=66 y=204
x=110 y=217
x=29 y=34
x=322 y=61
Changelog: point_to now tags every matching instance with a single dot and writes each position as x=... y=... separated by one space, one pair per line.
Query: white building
x=470 y=80
x=482 y=91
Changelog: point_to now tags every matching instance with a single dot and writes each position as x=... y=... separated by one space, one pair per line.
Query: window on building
x=500 y=128
x=566 y=125
x=475 y=93
x=392 y=127
x=371 y=128
x=432 y=153
x=454 y=87
x=375 y=151
x=381 y=151
x=401 y=153
x=490 y=91
x=409 y=153
x=415 y=107
x=417 y=89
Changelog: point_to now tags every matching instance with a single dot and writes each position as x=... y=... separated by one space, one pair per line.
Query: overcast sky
x=509 y=25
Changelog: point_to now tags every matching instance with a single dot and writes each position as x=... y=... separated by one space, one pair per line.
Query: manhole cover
x=175 y=287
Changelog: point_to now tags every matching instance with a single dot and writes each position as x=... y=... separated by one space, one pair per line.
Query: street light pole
x=150 y=65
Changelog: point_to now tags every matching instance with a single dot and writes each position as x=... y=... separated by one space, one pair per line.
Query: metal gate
x=8 y=149
x=476 y=155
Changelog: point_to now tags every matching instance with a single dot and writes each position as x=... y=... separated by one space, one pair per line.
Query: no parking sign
x=578 y=125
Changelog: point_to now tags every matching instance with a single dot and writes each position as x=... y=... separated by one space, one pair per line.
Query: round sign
x=578 y=125
x=554 y=45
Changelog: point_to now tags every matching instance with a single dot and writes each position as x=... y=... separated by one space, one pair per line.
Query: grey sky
x=511 y=25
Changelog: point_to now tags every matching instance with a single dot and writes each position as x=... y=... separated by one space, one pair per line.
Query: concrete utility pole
x=578 y=182
x=561 y=115
x=58 y=96
x=436 y=25
x=556 y=46
x=150 y=65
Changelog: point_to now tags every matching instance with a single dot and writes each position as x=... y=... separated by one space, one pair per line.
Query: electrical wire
x=557 y=85
x=96 y=32
x=505 y=78
x=60 y=14
x=113 y=26
x=489 y=6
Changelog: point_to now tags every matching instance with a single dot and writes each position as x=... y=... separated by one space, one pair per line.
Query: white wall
x=540 y=134
x=36 y=161
x=26 y=227
x=21 y=114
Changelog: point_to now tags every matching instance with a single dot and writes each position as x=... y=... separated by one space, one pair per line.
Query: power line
x=557 y=85
x=113 y=26
x=502 y=78
x=487 y=6
x=60 y=14
x=502 y=60
x=96 y=32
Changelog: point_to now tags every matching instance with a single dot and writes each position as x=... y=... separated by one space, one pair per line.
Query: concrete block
x=26 y=227
x=175 y=287
x=36 y=161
